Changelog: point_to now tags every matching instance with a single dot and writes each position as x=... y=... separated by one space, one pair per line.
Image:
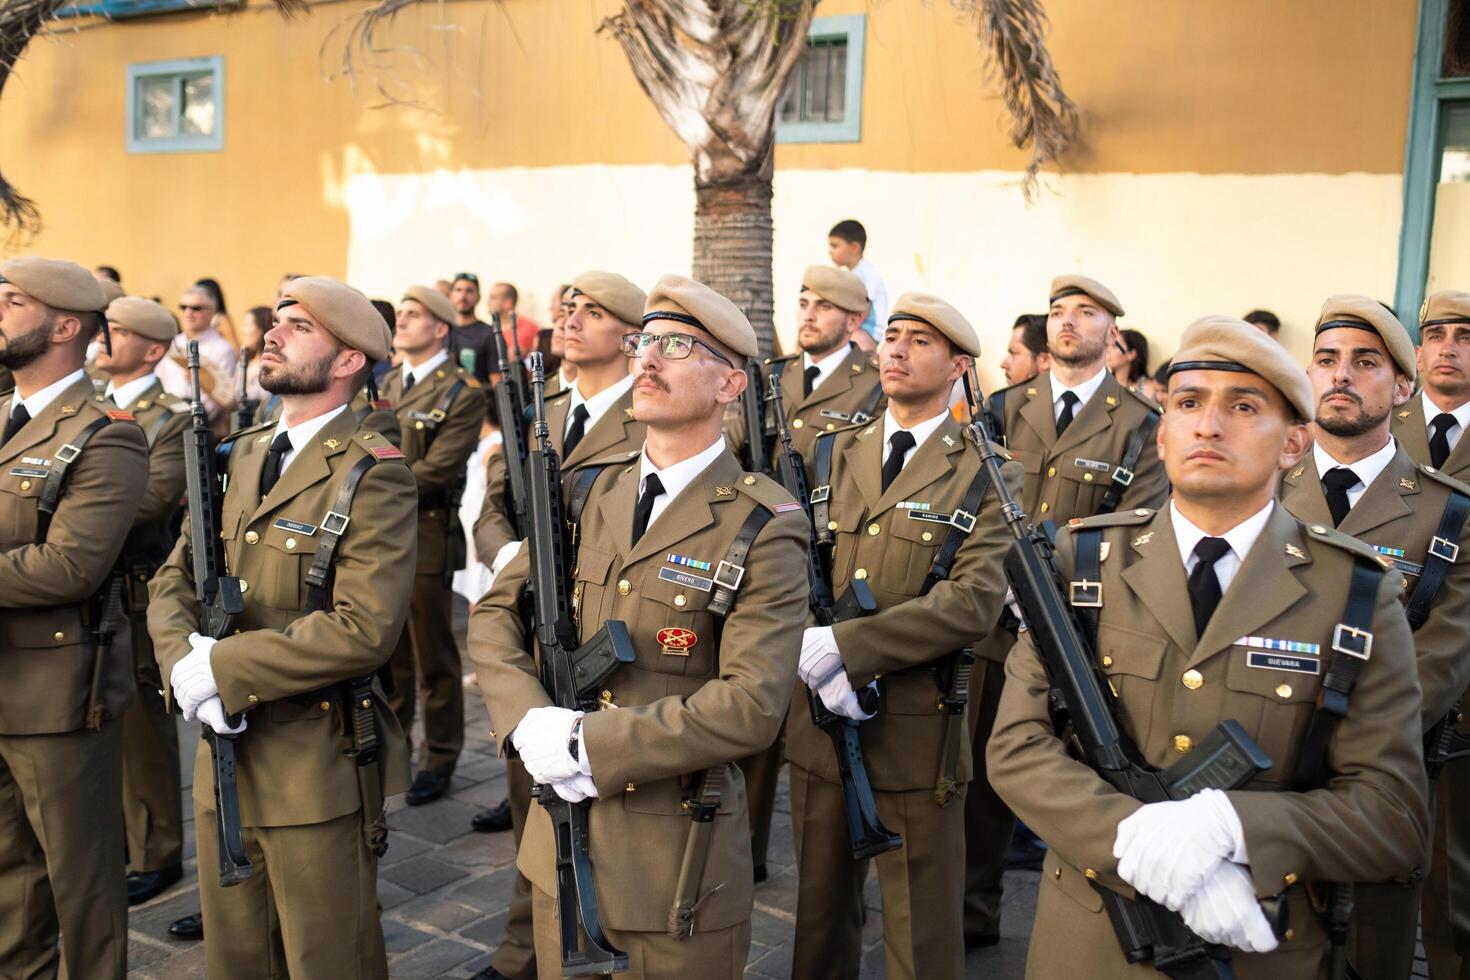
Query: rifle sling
x=1123 y=472
x=1443 y=550
x=64 y=457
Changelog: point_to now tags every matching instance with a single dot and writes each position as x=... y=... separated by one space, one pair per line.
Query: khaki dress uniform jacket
x=1173 y=688
x=376 y=416
x=427 y=656
x=672 y=713
x=311 y=907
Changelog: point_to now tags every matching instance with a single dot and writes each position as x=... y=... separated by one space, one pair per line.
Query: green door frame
x=1422 y=157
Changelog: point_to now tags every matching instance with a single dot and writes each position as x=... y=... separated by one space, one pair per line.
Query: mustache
x=1341 y=391
x=656 y=381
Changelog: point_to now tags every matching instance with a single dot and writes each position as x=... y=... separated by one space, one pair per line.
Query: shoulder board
x=783 y=357
x=1433 y=474
x=375 y=445
x=616 y=459
x=470 y=381
x=767 y=492
x=386 y=451
x=248 y=430
x=1029 y=382
x=559 y=393
x=119 y=415
x=1146 y=402
x=1120 y=519
x=1332 y=536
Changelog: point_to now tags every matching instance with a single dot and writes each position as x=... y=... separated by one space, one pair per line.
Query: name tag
x=688 y=579
x=422 y=416
x=29 y=471
x=827 y=413
x=295 y=526
x=1282 y=661
x=931 y=516
x=1096 y=465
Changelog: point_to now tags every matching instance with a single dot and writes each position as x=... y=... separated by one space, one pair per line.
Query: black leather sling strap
x=63 y=459
x=333 y=526
x=1123 y=472
x=961 y=523
x=1443 y=550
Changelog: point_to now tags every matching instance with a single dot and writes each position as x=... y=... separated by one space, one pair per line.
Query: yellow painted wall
x=1228 y=160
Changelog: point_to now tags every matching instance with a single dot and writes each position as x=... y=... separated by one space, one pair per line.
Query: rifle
x=245 y=406
x=220 y=603
x=755 y=455
x=1444 y=743
x=866 y=831
x=510 y=406
x=572 y=676
x=1080 y=698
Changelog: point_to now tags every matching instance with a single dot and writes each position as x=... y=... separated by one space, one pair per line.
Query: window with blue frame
x=824 y=98
x=176 y=106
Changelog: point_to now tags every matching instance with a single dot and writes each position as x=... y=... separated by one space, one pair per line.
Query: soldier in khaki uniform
x=1087 y=447
x=701 y=693
x=299 y=667
x=61 y=836
x=1429 y=428
x=1221 y=605
x=439 y=408
x=1363 y=483
x=895 y=487
x=591 y=419
x=141 y=332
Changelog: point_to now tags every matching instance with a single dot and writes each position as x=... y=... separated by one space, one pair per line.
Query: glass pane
x=156 y=107
x=816 y=82
x=1456 y=40
x=837 y=81
x=198 y=114
x=1449 y=243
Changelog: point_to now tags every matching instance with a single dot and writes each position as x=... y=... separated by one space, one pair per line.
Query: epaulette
x=1031 y=381
x=766 y=492
x=248 y=430
x=783 y=357
x=1444 y=478
x=1146 y=402
x=470 y=381
x=1124 y=518
x=1331 y=535
x=617 y=459
x=561 y=393
x=376 y=446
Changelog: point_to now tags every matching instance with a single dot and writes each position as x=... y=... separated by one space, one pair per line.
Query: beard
x=1348 y=428
x=21 y=351
x=289 y=379
x=1086 y=353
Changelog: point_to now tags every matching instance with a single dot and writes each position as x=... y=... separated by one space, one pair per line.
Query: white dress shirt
x=1240 y=538
x=599 y=403
x=676 y=477
x=129 y=392
x=826 y=366
x=1084 y=392
x=920 y=432
x=1365 y=469
x=302 y=433
x=1461 y=414
x=425 y=369
x=39 y=401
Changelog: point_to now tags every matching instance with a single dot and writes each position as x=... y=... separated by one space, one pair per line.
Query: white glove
x=541 y=738
x=576 y=789
x=503 y=556
x=837 y=694
x=1165 y=850
x=212 y=713
x=820 y=658
x=1224 y=910
x=192 y=679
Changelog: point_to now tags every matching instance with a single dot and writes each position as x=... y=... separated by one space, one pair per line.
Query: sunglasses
x=467 y=275
x=192 y=308
x=674 y=346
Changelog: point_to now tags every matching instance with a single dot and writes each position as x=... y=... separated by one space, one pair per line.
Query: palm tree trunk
x=733 y=243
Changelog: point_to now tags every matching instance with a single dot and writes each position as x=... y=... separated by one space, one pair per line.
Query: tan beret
x=939 y=315
x=344 y=311
x=682 y=299
x=1366 y=313
x=1225 y=343
x=110 y=289
x=1445 y=306
x=143 y=317
x=1074 y=284
x=432 y=300
x=613 y=293
x=837 y=286
x=60 y=284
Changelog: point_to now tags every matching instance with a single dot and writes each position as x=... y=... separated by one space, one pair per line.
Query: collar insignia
x=1295 y=552
x=1143 y=539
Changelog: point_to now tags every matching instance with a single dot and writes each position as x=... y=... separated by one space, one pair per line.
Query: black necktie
x=809 y=379
x=1335 y=484
x=16 y=422
x=577 y=430
x=653 y=488
x=1069 y=406
x=1439 y=443
x=898 y=446
x=408 y=383
x=1204 y=584
x=271 y=472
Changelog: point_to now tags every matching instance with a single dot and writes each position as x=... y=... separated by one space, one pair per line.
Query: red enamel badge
x=676 y=638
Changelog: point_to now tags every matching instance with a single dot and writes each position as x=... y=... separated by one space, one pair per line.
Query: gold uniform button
x=290 y=544
x=1090 y=873
x=860 y=574
x=797 y=423
x=831 y=426
x=252 y=699
x=251 y=537
x=58 y=636
x=1193 y=680
x=1290 y=935
x=418 y=425
x=25 y=484
x=680 y=601
x=1086 y=477
x=1051 y=471
x=1183 y=743
x=244 y=586
x=749 y=481
x=624 y=586
x=1141 y=512
x=1283 y=691
x=1318 y=529
x=926 y=536
x=874 y=529
x=1045 y=508
x=831 y=525
x=1057 y=874
x=1289 y=878
x=324 y=705
x=1107 y=661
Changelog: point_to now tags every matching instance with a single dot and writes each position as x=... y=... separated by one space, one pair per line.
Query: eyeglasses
x=467 y=275
x=674 y=346
x=192 y=308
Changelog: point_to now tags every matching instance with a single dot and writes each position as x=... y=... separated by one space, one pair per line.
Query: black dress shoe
x=426 y=788
x=143 y=885
x=980 y=940
x=494 y=820
x=760 y=873
x=189 y=927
